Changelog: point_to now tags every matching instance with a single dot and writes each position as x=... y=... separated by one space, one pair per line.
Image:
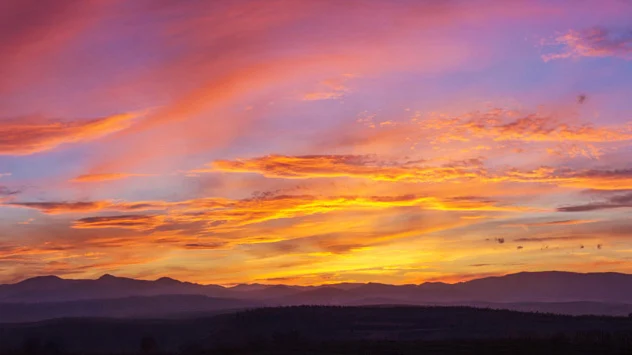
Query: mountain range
x=48 y=297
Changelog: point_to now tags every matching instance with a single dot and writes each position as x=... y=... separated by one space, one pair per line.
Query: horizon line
x=231 y=285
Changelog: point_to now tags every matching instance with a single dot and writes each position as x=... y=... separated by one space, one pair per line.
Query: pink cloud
x=592 y=42
x=251 y=52
x=30 y=135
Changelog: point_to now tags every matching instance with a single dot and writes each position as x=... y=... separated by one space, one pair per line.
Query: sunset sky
x=313 y=142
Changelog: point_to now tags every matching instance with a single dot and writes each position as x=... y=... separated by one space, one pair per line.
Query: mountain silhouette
x=55 y=289
x=551 y=291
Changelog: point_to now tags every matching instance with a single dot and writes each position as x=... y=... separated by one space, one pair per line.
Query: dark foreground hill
x=329 y=330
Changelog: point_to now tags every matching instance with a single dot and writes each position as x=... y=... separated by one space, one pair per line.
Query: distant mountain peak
x=107 y=277
x=168 y=280
x=42 y=279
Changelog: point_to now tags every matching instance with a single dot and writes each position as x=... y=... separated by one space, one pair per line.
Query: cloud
x=334 y=89
x=358 y=166
x=243 y=225
x=201 y=64
x=615 y=179
x=216 y=215
x=6 y=191
x=592 y=42
x=205 y=246
x=28 y=221
x=369 y=233
x=548 y=239
x=82 y=264
x=616 y=201
x=567 y=222
x=476 y=217
x=535 y=128
x=492 y=128
x=84 y=250
x=368 y=167
x=105 y=177
x=589 y=151
x=240 y=213
x=137 y=222
x=89 y=206
x=30 y=135
x=60 y=207
x=316 y=96
x=509 y=125
x=243 y=59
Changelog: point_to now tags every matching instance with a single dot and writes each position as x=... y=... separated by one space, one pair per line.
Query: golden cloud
x=225 y=215
x=358 y=166
x=105 y=177
x=367 y=167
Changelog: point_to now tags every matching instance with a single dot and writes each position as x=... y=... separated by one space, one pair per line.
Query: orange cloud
x=222 y=215
x=590 y=151
x=32 y=135
x=567 y=222
x=585 y=179
x=367 y=167
x=491 y=132
x=311 y=166
x=315 y=96
x=550 y=239
x=137 y=222
x=61 y=207
x=89 y=206
x=334 y=89
x=507 y=125
x=322 y=227
x=239 y=213
x=105 y=177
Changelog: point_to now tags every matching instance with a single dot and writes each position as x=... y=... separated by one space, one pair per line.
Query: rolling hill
x=51 y=297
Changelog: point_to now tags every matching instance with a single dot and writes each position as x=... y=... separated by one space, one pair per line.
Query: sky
x=314 y=142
